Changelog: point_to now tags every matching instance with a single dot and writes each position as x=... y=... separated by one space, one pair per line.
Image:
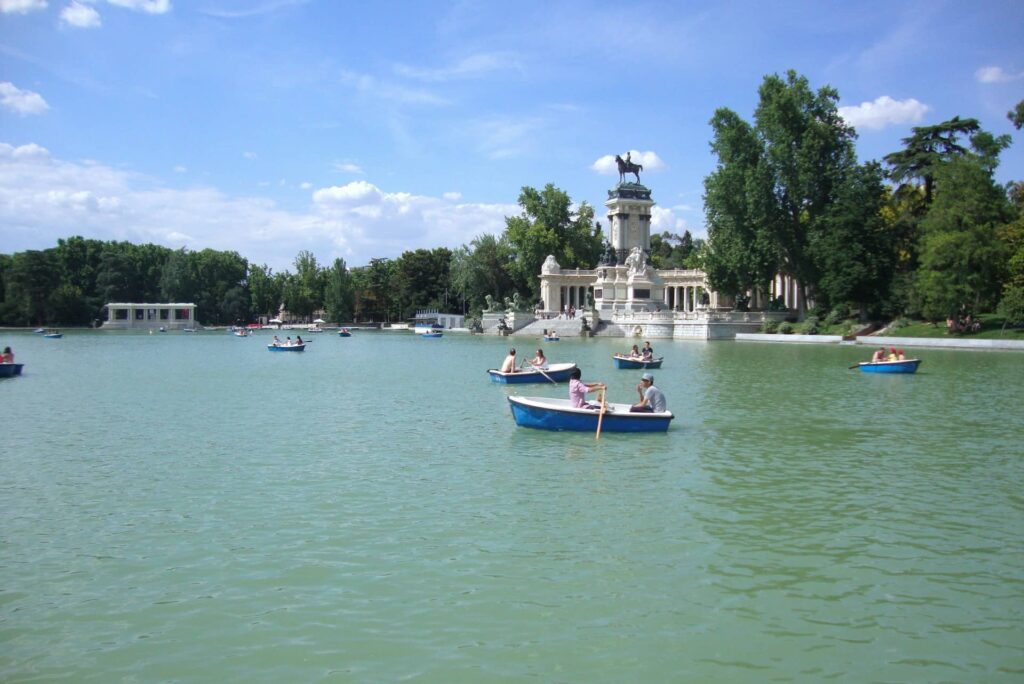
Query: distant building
x=426 y=318
x=126 y=316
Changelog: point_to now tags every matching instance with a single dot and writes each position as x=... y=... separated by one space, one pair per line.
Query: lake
x=189 y=507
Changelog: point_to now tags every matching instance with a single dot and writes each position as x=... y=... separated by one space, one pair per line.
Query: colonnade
x=570 y=295
x=685 y=298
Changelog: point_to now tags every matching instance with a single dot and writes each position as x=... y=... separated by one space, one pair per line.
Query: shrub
x=837 y=315
x=770 y=327
x=810 y=326
x=786 y=328
x=898 y=323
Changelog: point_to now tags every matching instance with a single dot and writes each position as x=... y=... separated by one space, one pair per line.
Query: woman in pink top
x=578 y=389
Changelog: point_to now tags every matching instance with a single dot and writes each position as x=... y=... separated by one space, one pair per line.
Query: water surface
x=193 y=508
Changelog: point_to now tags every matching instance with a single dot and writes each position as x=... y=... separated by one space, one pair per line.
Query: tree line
x=927 y=233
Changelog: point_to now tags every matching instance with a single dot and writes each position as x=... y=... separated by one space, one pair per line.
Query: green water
x=193 y=508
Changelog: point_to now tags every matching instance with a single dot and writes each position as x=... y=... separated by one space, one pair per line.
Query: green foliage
x=786 y=328
x=339 y=293
x=810 y=326
x=770 y=327
x=422 y=280
x=962 y=257
x=671 y=251
x=1016 y=115
x=482 y=268
x=548 y=226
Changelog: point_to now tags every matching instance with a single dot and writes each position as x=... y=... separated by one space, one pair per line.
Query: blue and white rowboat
x=632 y=363
x=905 y=366
x=286 y=347
x=431 y=334
x=551 y=338
x=9 y=370
x=556 y=372
x=545 y=413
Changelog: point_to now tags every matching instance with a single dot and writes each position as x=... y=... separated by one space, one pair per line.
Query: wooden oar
x=600 y=416
x=852 y=367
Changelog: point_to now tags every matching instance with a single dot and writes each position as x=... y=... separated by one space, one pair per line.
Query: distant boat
x=9 y=370
x=556 y=372
x=315 y=329
x=40 y=331
x=163 y=329
x=53 y=334
x=632 y=362
x=344 y=332
x=242 y=333
x=905 y=366
x=286 y=347
x=189 y=330
x=545 y=413
x=435 y=333
x=551 y=338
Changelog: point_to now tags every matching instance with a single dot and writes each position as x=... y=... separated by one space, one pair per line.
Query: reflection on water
x=195 y=508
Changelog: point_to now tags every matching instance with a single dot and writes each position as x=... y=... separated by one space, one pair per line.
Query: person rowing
x=578 y=390
x=538 y=361
x=509 y=364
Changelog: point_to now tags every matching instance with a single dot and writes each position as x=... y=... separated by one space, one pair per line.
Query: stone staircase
x=562 y=328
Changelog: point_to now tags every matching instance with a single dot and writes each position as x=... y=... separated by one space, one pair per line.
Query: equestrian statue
x=627 y=166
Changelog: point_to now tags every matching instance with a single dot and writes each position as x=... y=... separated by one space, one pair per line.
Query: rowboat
x=286 y=347
x=9 y=370
x=556 y=372
x=242 y=333
x=905 y=366
x=545 y=413
x=344 y=332
x=39 y=331
x=431 y=334
x=632 y=362
x=551 y=338
x=53 y=335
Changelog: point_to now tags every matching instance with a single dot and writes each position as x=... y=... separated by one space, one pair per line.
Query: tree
x=482 y=268
x=740 y=254
x=856 y=255
x=32 y=279
x=339 y=294
x=422 y=280
x=264 y=292
x=546 y=226
x=1016 y=115
x=962 y=258
x=304 y=292
x=669 y=250
x=930 y=146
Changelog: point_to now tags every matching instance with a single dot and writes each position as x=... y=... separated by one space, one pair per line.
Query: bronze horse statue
x=626 y=166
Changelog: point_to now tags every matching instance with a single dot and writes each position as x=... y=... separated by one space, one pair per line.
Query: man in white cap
x=652 y=399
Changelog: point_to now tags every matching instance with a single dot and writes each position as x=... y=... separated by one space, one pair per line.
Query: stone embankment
x=879 y=341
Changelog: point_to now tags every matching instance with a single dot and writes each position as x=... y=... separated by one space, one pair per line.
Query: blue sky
x=361 y=130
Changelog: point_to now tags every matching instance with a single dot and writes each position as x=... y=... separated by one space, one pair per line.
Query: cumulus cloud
x=43 y=198
x=994 y=74
x=607 y=166
x=23 y=102
x=21 y=6
x=453 y=196
x=884 y=111
x=80 y=16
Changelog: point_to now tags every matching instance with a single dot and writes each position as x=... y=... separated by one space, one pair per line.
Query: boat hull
x=282 y=348
x=557 y=414
x=431 y=335
x=54 y=336
x=550 y=338
x=344 y=333
x=9 y=370
x=633 y=364
x=557 y=372
x=907 y=366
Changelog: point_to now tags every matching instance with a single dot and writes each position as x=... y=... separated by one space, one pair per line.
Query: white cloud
x=607 y=166
x=147 y=6
x=376 y=89
x=884 y=111
x=348 y=167
x=994 y=74
x=453 y=196
x=43 y=198
x=180 y=169
x=249 y=155
x=665 y=219
x=468 y=67
x=21 y=6
x=23 y=102
x=80 y=16
x=306 y=185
